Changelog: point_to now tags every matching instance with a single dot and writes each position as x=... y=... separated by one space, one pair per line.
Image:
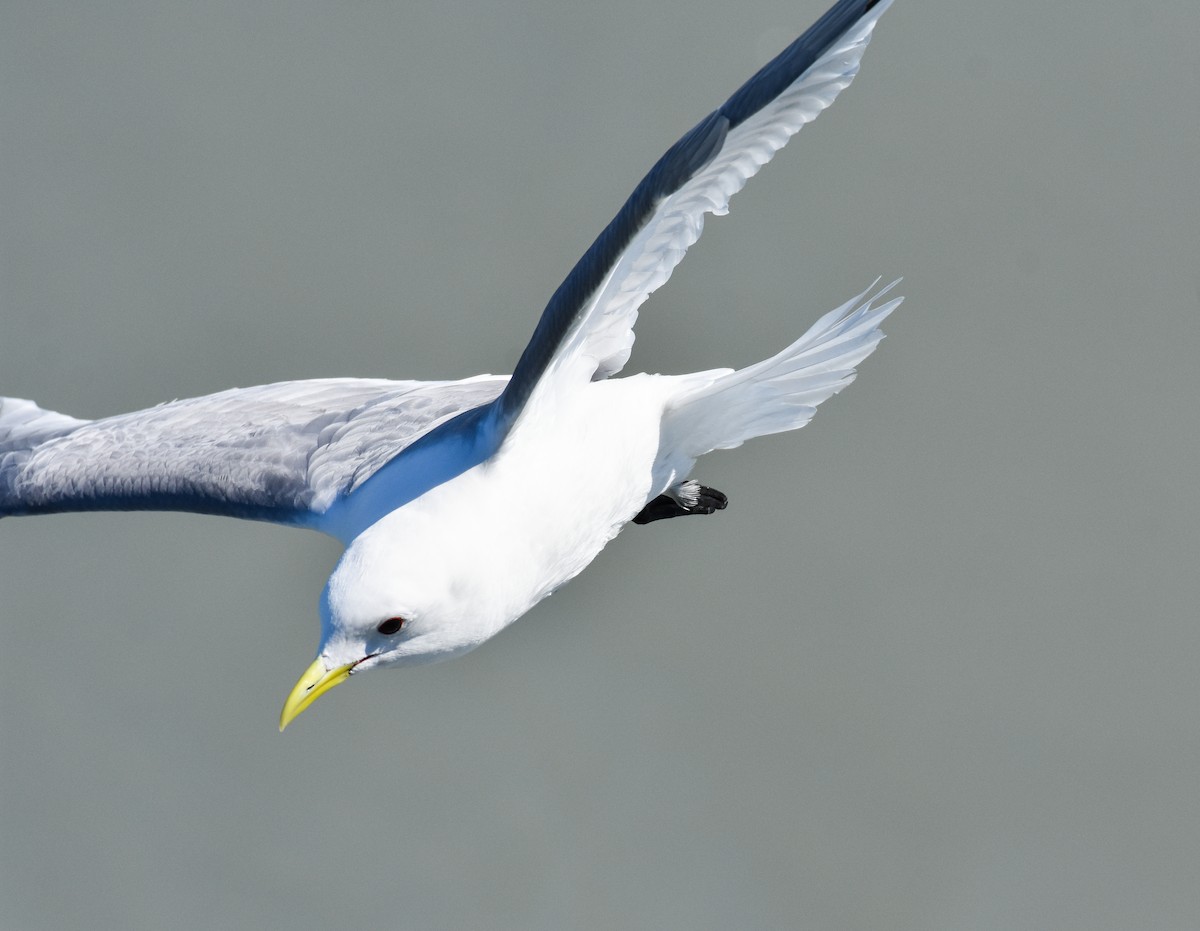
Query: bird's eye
x=390 y=626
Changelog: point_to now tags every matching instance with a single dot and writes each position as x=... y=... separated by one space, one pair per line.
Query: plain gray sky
x=936 y=666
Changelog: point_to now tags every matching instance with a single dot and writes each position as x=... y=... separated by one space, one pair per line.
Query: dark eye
x=390 y=626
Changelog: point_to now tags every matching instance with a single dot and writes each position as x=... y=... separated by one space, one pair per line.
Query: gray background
x=934 y=668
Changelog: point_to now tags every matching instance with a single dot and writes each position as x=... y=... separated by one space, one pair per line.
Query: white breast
x=510 y=531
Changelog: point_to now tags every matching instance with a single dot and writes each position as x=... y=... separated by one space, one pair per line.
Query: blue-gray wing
x=586 y=330
x=287 y=452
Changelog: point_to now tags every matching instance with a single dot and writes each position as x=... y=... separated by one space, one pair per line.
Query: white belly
x=572 y=473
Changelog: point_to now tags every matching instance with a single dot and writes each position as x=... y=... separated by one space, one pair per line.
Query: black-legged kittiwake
x=462 y=504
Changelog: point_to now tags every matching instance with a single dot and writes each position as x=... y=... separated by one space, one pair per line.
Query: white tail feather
x=782 y=392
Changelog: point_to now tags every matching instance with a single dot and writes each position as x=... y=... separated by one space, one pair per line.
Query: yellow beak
x=316 y=681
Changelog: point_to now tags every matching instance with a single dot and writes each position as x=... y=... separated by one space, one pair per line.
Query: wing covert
x=285 y=452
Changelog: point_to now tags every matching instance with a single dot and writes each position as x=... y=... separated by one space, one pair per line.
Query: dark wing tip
x=780 y=72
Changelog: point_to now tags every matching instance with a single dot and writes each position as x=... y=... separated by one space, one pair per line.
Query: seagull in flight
x=462 y=504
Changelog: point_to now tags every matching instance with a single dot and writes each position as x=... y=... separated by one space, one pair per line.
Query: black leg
x=704 y=500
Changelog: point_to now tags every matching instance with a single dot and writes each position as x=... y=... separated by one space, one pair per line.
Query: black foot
x=693 y=499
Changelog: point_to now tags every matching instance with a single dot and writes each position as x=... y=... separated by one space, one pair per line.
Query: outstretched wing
x=586 y=331
x=287 y=452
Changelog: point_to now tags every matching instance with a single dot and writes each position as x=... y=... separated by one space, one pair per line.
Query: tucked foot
x=685 y=498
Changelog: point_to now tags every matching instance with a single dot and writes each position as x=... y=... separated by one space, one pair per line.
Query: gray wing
x=285 y=452
x=586 y=330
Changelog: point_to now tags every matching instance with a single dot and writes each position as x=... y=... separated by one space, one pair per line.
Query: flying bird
x=462 y=504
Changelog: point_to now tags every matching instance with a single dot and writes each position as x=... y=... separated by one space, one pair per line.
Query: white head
x=400 y=598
